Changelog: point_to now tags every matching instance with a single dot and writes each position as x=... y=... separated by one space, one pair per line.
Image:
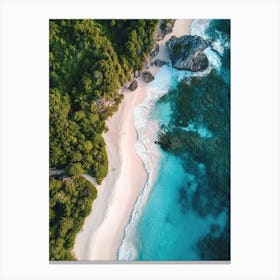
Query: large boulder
x=133 y=86
x=147 y=76
x=187 y=52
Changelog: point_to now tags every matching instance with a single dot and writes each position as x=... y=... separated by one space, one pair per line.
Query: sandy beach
x=103 y=229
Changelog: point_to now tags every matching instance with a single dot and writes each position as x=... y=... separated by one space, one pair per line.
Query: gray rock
x=147 y=76
x=133 y=86
x=159 y=62
x=155 y=51
x=187 y=52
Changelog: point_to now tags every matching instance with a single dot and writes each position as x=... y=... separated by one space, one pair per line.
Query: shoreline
x=103 y=229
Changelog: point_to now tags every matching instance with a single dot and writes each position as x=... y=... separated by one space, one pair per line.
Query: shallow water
x=165 y=224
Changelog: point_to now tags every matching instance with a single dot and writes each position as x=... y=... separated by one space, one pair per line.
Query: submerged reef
x=199 y=134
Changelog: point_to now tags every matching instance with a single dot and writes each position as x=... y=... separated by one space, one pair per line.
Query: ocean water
x=183 y=213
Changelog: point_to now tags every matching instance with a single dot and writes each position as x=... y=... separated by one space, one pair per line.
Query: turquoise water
x=165 y=232
x=181 y=214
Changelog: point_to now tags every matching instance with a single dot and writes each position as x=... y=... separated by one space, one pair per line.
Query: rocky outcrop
x=165 y=27
x=147 y=76
x=187 y=52
x=159 y=62
x=133 y=86
x=155 y=51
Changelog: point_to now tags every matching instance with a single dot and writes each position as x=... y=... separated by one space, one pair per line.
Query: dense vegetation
x=138 y=38
x=89 y=61
x=70 y=203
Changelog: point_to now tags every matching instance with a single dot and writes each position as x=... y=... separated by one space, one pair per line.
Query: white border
x=255 y=138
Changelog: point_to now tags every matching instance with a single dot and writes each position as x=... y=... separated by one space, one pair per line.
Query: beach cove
x=103 y=229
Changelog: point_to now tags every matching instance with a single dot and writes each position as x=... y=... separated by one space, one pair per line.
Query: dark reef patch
x=204 y=103
x=215 y=245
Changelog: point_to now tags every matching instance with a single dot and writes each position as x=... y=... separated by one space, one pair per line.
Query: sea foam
x=147 y=132
x=147 y=126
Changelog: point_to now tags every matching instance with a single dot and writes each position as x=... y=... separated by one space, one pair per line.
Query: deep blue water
x=183 y=213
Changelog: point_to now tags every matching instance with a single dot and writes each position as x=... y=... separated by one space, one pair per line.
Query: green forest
x=70 y=202
x=89 y=61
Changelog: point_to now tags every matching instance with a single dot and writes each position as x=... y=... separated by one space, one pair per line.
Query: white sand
x=103 y=229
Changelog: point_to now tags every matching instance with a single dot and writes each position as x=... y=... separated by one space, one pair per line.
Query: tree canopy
x=70 y=202
x=89 y=60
